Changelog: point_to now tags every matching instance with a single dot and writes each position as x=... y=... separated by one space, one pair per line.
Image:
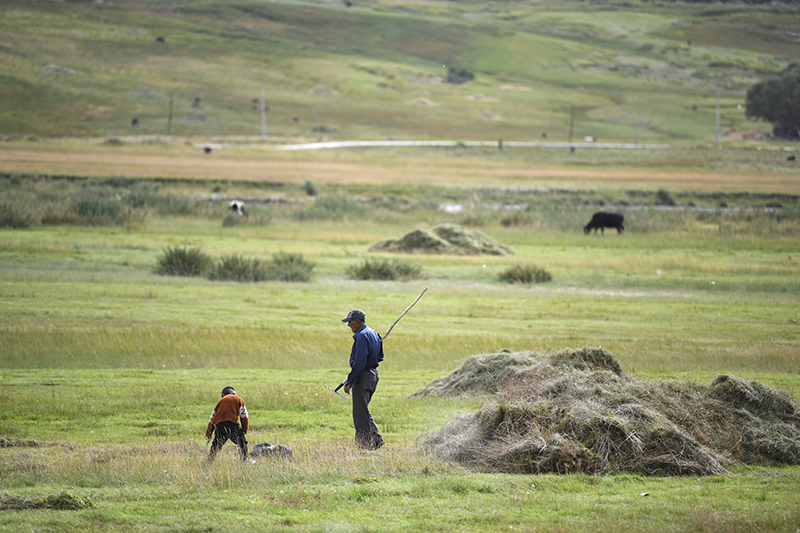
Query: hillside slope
x=379 y=69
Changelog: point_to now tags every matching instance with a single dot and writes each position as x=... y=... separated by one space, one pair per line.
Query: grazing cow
x=791 y=158
x=207 y=149
x=160 y=40
x=134 y=122
x=605 y=220
x=237 y=206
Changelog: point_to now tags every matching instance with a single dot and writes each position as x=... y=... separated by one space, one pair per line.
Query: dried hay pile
x=577 y=411
x=443 y=239
x=61 y=502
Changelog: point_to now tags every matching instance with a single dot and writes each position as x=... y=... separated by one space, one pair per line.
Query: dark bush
x=309 y=188
x=459 y=75
x=183 y=262
x=663 y=197
x=289 y=267
x=237 y=268
x=525 y=274
x=384 y=269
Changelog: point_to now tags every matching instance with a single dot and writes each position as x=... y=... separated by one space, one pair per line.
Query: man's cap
x=355 y=314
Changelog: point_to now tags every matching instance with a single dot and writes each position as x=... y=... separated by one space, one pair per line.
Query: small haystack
x=443 y=239
x=577 y=411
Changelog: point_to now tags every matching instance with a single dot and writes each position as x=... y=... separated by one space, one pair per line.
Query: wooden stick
x=404 y=313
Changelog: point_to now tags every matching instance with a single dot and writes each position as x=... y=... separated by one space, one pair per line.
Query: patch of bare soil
x=577 y=411
x=754 y=134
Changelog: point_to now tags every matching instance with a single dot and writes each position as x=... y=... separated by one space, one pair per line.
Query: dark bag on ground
x=266 y=450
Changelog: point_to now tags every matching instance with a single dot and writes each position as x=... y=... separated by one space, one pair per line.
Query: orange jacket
x=230 y=408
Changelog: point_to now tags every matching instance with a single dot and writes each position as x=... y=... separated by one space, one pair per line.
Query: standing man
x=366 y=354
x=224 y=423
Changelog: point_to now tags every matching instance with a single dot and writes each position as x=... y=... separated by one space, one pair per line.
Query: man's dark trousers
x=367 y=434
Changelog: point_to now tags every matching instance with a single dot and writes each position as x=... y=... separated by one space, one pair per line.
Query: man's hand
x=347 y=389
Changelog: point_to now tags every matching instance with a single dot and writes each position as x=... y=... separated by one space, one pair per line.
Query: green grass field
x=109 y=371
x=376 y=70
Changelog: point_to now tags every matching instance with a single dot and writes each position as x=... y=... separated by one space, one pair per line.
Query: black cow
x=605 y=220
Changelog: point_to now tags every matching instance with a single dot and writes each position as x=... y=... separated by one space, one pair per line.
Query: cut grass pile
x=61 y=502
x=577 y=411
x=450 y=239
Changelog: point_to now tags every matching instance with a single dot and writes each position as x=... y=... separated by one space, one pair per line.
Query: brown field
x=263 y=163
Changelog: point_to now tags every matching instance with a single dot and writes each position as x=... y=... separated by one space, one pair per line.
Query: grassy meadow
x=109 y=370
x=378 y=69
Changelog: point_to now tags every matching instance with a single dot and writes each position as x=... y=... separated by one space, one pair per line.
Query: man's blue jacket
x=366 y=353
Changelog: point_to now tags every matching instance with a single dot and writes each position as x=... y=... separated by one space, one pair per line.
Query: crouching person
x=224 y=423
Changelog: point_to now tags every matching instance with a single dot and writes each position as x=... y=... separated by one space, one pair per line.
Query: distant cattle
x=160 y=40
x=207 y=149
x=237 y=206
x=134 y=122
x=605 y=220
x=791 y=158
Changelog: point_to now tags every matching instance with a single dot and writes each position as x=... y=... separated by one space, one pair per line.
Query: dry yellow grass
x=264 y=164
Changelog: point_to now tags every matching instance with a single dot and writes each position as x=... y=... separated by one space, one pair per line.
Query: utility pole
x=571 y=122
x=169 y=117
x=716 y=131
x=263 y=117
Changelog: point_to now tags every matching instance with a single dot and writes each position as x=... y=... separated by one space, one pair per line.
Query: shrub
x=663 y=197
x=525 y=274
x=183 y=262
x=237 y=268
x=289 y=267
x=459 y=75
x=309 y=188
x=384 y=269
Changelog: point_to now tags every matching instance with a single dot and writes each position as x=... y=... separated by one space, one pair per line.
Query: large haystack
x=577 y=411
x=443 y=239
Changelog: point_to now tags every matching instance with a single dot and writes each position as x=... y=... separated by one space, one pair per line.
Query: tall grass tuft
x=289 y=267
x=332 y=207
x=237 y=268
x=18 y=215
x=384 y=269
x=97 y=211
x=183 y=262
x=527 y=274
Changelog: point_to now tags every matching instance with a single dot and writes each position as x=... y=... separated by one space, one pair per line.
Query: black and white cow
x=603 y=220
x=237 y=206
